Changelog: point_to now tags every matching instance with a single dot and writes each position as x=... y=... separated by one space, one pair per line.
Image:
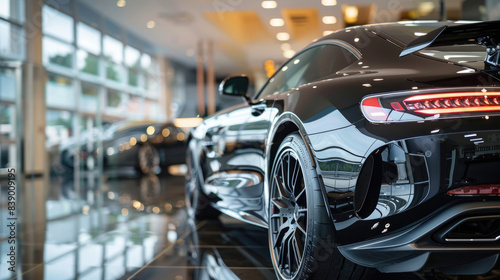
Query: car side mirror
x=235 y=86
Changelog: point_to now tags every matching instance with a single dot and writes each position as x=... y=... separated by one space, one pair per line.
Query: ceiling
x=240 y=30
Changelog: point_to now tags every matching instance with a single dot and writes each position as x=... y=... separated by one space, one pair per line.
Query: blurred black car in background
x=144 y=146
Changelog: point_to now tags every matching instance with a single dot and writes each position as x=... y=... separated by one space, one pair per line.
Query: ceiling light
x=277 y=22
x=329 y=20
x=329 y=2
x=151 y=24
x=425 y=8
x=286 y=46
x=288 y=53
x=121 y=3
x=350 y=14
x=327 y=32
x=283 y=36
x=269 y=4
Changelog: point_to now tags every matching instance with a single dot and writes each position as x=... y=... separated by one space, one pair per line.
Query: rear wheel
x=301 y=235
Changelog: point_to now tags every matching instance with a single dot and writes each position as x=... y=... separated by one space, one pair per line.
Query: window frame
x=336 y=42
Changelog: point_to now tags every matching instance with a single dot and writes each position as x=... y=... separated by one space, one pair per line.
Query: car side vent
x=368 y=186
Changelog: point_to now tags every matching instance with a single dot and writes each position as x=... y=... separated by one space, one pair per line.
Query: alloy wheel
x=288 y=214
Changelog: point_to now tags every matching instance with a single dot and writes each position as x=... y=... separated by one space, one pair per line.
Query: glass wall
x=95 y=77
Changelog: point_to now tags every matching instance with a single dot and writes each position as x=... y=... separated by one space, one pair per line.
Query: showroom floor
x=135 y=228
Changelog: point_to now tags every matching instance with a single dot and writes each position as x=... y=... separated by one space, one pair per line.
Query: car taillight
x=374 y=110
x=424 y=104
x=450 y=103
x=490 y=189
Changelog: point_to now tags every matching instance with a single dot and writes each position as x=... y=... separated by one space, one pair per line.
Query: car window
x=329 y=60
x=288 y=76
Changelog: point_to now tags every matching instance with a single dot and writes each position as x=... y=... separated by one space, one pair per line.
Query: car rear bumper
x=417 y=247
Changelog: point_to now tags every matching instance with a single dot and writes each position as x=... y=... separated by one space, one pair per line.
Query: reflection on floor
x=100 y=227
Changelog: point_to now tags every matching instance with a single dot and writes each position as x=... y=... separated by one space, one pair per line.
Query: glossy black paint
x=420 y=160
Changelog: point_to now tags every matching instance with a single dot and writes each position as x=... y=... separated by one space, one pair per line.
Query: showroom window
x=12 y=42
x=95 y=77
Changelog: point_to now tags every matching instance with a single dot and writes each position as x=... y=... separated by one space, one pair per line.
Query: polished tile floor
x=100 y=227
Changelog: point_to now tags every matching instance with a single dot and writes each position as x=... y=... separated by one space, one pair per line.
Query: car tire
x=301 y=235
x=197 y=203
x=148 y=159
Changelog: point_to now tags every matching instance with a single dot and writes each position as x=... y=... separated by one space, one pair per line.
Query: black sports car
x=375 y=147
x=142 y=145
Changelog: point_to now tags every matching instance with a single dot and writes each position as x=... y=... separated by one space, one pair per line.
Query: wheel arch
x=284 y=125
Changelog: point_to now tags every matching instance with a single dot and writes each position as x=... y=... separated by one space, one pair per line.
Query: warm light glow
x=327 y=32
x=286 y=46
x=121 y=3
x=180 y=136
x=425 y=8
x=136 y=204
x=165 y=132
x=156 y=210
x=350 y=14
x=150 y=130
x=151 y=24
x=288 y=53
x=124 y=211
x=283 y=36
x=329 y=20
x=296 y=61
x=144 y=138
x=187 y=122
x=277 y=22
x=329 y=2
x=269 y=4
x=457 y=110
x=451 y=95
x=133 y=141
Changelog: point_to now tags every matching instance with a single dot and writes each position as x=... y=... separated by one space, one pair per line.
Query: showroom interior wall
x=65 y=72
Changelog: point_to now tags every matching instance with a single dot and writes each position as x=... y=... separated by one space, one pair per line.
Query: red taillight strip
x=457 y=110
x=451 y=95
x=491 y=189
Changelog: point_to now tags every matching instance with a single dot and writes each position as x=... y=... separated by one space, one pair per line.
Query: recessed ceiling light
x=277 y=22
x=329 y=2
x=269 y=4
x=329 y=20
x=350 y=14
x=327 y=32
x=283 y=36
x=288 y=53
x=286 y=46
x=121 y=3
x=151 y=24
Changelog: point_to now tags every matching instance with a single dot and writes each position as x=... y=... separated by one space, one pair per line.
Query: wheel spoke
x=295 y=174
x=296 y=251
x=300 y=195
x=302 y=228
x=281 y=189
x=279 y=204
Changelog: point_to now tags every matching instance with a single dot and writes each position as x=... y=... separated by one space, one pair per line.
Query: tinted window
x=288 y=76
x=330 y=59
